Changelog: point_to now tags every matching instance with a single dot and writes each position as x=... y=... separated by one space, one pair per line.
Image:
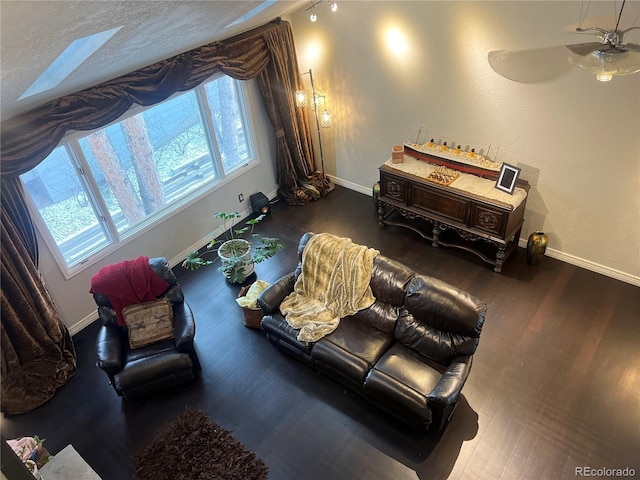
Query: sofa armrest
x=448 y=389
x=271 y=298
x=109 y=349
x=184 y=327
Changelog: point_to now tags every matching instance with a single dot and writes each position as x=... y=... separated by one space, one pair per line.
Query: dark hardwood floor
x=555 y=383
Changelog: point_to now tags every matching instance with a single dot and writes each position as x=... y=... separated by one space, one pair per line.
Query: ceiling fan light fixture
x=604 y=77
x=605 y=63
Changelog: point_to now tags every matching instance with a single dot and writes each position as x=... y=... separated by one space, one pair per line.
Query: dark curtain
x=267 y=51
x=296 y=170
x=38 y=355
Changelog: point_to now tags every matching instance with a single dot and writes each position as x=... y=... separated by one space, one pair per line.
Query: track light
x=313 y=17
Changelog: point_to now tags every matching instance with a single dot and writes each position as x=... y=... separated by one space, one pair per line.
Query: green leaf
x=195 y=261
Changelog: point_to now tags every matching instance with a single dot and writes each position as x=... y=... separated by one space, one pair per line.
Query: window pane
x=149 y=160
x=64 y=206
x=139 y=169
x=228 y=119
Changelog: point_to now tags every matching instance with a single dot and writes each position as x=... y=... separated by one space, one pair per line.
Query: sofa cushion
x=380 y=315
x=154 y=372
x=439 y=320
x=400 y=382
x=133 y=354
x=444 y=306
x=388 y=280
x=350 y=351
x=284 y=336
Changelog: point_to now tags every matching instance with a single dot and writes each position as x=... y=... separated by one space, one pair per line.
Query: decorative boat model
x=455 y=158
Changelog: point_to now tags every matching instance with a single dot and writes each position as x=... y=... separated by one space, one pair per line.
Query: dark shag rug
x=195 y=448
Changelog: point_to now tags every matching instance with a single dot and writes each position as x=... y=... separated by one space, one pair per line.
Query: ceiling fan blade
x=530 y=66
x=632 y=47
x=585 y=49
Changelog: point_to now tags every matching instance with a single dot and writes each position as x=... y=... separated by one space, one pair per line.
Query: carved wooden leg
x=436 y=233
x=380 y=213
x=500 y=256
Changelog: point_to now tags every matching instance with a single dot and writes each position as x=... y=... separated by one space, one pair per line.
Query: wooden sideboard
x=486 y=227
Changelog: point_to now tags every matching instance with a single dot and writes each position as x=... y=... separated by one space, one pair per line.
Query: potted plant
x=238 y=252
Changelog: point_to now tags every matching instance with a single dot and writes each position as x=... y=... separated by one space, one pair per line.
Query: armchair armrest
x=448 y=389
x=110 y=355
x=184 y=327
x=271 y=298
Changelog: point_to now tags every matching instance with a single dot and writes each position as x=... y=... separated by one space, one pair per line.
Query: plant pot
x=237 y=263
x=536 y=246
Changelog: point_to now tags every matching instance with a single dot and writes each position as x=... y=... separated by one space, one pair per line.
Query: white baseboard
x=588 y=265
x=352 y=186
x=85 y=322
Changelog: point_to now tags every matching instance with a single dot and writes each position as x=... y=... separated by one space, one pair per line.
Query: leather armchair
x=138 y=372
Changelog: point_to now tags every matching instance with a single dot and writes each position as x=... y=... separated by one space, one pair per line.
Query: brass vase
x=375 y=193
x=536 y=246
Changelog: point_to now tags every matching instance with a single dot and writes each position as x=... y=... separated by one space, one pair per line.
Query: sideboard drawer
x=449 y=206
x=488 y=219
x=394 y=188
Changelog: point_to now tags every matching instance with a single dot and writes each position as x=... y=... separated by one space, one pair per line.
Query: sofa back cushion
x=161 y=267
x=439 y=320
x=389 y=280
x=380 y=315
x=301 y=246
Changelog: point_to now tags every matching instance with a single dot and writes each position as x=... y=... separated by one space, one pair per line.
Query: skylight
x=73 y=56
x=263 y=6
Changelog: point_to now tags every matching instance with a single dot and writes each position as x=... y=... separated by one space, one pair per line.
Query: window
x=94 y=190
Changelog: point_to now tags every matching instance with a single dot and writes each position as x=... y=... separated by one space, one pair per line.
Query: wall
x=174 y=237
x=577 y=140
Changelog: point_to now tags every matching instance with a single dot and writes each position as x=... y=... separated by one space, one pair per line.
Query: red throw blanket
x=127 y=283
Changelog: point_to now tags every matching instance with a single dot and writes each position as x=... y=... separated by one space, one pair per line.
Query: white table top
x=67 y=465
x=466 y=182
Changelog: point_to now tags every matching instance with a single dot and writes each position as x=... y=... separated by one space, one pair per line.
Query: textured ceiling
x=34 y=33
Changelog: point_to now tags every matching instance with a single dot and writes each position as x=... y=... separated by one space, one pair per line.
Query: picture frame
x=508 y=178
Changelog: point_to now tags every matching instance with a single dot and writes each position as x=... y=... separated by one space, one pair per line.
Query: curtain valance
x=29 y=138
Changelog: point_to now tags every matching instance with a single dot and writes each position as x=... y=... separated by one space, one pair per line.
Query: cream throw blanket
x=334 y=283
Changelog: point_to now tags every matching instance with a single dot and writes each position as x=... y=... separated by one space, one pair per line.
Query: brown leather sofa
x=409 y=353
x=135 y=373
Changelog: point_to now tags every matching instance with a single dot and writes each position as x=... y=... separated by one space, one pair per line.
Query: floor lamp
x=322 y=119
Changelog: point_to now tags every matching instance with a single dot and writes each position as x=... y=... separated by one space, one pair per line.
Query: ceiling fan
x=609 y=57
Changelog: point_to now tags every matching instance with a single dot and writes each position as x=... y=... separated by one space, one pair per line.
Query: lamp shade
x=325 y=119
x=301 y=98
